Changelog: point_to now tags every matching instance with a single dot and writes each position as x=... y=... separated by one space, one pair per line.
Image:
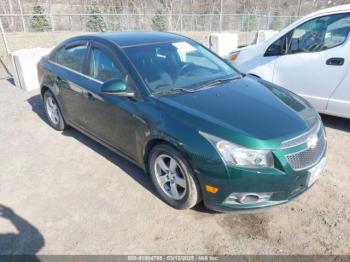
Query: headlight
x=233 y=56
x=237 y=155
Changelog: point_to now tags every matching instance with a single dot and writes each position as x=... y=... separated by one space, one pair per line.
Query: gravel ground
x=69 y=195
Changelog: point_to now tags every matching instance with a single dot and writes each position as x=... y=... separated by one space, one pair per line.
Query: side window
x=102 y=67
x=337 y=32
x=53 y=56
x=320 y=34
x=72 y=57
x=278 y=47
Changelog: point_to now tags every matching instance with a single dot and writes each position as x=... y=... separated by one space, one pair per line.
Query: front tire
x=53 y=111
x=173 y=177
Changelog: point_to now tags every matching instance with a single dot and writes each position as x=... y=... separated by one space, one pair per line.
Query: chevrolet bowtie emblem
x=312 y=141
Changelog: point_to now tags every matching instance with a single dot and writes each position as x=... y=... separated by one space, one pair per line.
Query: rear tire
x=173 y=177
x=53 y=111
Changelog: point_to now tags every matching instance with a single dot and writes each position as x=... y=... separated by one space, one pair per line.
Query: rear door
x=70 y=67
x=316 y=59
x=339 y=102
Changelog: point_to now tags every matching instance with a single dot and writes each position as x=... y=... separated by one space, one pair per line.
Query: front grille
x=308 y=157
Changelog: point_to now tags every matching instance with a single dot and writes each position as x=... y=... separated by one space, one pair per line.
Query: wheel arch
x=151 y=143
x=161 y=140
x=43 y=89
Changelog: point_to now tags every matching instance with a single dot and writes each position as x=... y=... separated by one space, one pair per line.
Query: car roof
x=334 y=9
x=123 y=39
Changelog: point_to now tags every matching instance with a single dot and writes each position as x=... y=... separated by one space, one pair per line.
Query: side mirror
x=115 y=87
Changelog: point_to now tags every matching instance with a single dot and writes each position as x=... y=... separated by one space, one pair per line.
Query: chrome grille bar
x=308 y=157
x=301 y=138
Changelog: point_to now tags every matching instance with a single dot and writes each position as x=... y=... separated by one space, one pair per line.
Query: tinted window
x=177 y=65
x=102 y=66
x=278 y=47
x=72 y=57
x=320 y=34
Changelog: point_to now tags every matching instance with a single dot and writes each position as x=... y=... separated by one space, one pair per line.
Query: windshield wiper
x=178 y=90
x=174 y=91
x=218 y=81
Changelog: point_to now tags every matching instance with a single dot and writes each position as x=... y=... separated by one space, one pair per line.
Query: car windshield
x=178 y=66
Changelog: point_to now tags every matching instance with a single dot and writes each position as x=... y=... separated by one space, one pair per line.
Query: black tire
x=60 y=124
x=192 y=194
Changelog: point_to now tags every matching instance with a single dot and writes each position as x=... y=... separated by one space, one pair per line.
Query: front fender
x=201 y=155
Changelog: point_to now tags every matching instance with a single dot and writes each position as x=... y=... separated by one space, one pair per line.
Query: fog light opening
x=247 y=198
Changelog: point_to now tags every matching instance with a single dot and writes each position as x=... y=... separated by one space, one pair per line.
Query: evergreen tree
x=276 y=23
x=250 y=22
x=95 y=22
x=159 y=21
x=39 y=22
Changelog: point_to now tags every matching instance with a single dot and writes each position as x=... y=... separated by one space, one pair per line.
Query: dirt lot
x=69 y=195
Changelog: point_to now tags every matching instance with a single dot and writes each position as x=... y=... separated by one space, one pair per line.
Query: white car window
x=320 y=34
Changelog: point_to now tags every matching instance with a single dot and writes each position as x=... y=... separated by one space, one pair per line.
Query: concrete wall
x=24 y=67
x=222 y=43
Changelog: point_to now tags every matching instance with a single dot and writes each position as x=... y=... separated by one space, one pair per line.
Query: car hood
x=250 y=57
x=248 y=107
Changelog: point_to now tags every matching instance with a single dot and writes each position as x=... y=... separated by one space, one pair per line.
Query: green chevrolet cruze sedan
x=203 y=131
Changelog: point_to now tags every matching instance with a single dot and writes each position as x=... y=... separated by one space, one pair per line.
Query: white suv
x=310 y=57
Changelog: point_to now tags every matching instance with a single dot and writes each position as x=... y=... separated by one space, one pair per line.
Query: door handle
x=335 y=61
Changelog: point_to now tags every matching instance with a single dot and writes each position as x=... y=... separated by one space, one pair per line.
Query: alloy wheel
x=170 y=176
x=52 y=110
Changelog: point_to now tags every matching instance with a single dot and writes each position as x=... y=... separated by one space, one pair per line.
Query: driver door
x=316 y=59
x=109 y=117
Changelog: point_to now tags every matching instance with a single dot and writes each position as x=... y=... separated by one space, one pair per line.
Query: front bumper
x=298 y=164
x=282 y=187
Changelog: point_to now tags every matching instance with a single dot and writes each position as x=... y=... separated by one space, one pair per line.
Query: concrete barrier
x=263 y=35
x=24 y=67
x=222 y=43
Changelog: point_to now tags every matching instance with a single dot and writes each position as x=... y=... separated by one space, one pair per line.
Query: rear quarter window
x=71 y=57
